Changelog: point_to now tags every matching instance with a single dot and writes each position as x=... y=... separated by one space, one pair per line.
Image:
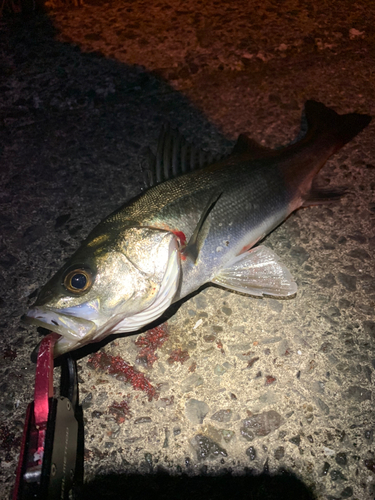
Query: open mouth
x=74 y=331
x=67 y=325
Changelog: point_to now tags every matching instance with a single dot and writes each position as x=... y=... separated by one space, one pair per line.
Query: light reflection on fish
x=195 y=224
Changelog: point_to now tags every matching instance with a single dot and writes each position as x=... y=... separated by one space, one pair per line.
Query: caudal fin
x=341 y=128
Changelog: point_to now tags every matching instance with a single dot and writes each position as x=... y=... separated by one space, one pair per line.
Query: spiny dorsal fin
x=245 y=145
x=174 y=156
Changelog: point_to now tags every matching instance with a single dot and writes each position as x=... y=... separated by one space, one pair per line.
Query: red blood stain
x=270 y=380
x=152 y=340
x=178 y=355
x=168 y=401
x=245 y=248
x=181 y=236
x=219 y=345
x=121 y=411
x=9 y=354
x=117 y=367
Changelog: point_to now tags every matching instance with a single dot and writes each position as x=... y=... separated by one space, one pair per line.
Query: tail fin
x=343 y=128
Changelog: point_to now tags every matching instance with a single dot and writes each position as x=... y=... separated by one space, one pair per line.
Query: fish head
x=112 y=284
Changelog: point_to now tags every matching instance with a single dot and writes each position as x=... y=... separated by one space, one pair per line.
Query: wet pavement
x=231 y=384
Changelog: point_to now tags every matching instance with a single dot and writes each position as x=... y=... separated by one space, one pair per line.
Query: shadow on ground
x=283 y=486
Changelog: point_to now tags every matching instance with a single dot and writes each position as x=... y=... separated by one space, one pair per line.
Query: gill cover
x=126 y=282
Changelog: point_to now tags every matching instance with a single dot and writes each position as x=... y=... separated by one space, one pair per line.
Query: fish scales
x=195 y=224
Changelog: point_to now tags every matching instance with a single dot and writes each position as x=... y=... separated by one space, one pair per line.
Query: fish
x=200 y=220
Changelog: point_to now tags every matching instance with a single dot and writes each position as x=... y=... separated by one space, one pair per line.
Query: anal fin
x=257 y=272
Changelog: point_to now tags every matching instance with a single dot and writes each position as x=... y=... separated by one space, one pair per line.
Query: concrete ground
x=240 y=386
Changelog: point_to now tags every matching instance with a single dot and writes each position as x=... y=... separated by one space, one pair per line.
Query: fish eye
x=78 y=281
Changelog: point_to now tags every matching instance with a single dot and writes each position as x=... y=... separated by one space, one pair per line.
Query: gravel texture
x=240 y=386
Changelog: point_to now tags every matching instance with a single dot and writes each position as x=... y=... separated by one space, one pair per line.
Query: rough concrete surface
x=240 y=385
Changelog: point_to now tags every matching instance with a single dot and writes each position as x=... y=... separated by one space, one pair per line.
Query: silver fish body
x=190 y=229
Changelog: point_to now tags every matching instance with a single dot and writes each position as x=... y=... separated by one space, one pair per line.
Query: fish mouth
x=74 y=331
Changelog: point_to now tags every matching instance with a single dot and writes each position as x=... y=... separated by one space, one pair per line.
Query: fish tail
x=338 y=129
x=327 y=132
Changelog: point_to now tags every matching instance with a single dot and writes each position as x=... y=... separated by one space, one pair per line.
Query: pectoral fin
x=257 y=272
x=197 y=239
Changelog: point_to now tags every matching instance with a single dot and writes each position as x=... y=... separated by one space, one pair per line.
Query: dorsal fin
x=251 y=148
x=174 y=156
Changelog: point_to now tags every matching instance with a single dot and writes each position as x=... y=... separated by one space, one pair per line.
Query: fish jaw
x=74 y=331
x=63 y=323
